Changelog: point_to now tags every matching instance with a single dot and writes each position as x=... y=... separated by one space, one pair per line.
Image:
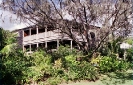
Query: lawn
x=123 y=78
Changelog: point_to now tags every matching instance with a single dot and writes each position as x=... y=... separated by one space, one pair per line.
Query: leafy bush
x=71 y=60
x=13 y=67
x=74 y=70
x=112 y=64
x=65 y=51
x=111 y=47
x=130 y=54
x=124 y=65
x=106 y=64
x=82 y=71
x=53 y=81
x=42 y=64
x=129 y=41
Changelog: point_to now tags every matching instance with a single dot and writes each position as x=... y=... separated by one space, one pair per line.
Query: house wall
x=19 y=38
x=31 y=38
x=34 y=37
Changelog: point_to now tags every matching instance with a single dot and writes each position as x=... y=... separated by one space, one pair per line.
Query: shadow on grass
x=118 y=78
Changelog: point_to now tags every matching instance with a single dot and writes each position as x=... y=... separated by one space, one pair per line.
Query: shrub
x=124 y=66
x=65 y=51
x=130 y=54
x=53 y=81
x=106 y=64
x=129 y=41
x=13 y=67
x=112 y=64
x=71 y=60
x=42 y=65
x=82 y=71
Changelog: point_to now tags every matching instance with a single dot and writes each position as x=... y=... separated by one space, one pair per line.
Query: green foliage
x=106 y=64
x=71 y=60
x=104 y=50
x=2 y=40
x=6 y=38
x=9 y=49
x=82 y=71
x=111 y=64
x=129 y=41
x=53 y=81
x=12 y=62
x=130 y=54
x=41 y=63
x=62 y=52
x=111 y=47
x=65 y=51
x=79 y=70
x=52 y=69
x=14 y=65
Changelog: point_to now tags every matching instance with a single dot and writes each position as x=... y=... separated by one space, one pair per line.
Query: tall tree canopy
x=112 y=16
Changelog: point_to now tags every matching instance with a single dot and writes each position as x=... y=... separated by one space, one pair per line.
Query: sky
x=7 y=24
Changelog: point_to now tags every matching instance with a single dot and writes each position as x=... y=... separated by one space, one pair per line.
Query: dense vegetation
x=63 y=65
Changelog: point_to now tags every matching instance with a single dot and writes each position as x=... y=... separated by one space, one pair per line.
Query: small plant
x=53 y=81
x=112 y=64
x=70 y=60
x=64 y=51
x=82 y=71
x=130 y=54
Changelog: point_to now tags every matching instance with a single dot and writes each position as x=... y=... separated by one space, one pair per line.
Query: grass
x=117 y=78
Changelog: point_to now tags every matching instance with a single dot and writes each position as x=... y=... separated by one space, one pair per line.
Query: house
x=33 y=37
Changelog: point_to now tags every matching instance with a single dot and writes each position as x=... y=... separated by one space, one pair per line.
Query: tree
x=114 y=16
x=1 y=39
x=12 y=59
x=4 y=38
x=7 y=41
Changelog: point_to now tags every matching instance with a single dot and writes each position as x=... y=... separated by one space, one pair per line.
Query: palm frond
x=9 y=48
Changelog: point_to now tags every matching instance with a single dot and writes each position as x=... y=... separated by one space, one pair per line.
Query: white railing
x=46 y=36
x=49 y=36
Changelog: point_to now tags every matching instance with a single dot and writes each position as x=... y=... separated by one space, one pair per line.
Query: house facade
x=33 y=37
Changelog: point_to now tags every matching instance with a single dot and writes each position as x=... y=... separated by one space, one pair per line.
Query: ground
x=125 y=78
